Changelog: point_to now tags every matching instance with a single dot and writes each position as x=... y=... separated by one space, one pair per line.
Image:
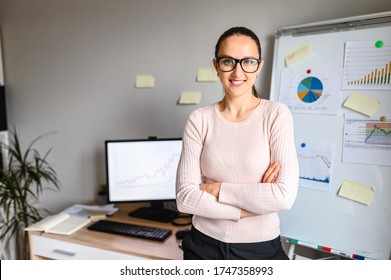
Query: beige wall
x=70 y=65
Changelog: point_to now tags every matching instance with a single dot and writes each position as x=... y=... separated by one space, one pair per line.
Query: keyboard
x=132 y=230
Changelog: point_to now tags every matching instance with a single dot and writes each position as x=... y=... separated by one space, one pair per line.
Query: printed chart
x=315 y=160
x=367 y=141
x=311 y=91
x=367 y=65
x=378 y=133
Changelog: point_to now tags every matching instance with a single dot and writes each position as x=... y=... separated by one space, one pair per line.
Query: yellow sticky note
x=362 y=104
x=145 y=81
x=206 y=75
x=357 y=192
x=297 y=54
x=190 y=97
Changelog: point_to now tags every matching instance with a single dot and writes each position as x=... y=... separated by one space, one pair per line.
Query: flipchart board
x=335 y=78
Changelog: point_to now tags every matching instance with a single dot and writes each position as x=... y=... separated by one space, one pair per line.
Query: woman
x=243 y=149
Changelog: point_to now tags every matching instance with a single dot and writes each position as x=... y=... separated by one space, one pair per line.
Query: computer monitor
x=143 y=170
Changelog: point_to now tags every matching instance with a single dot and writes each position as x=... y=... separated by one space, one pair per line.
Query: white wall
x=70 y=65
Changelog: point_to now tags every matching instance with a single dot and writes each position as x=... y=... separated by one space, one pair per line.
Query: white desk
x=91 y=245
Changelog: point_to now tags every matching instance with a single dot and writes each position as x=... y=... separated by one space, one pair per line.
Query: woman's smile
x=237 y=83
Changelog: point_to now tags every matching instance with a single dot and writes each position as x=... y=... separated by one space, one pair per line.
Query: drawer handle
x=60 y=251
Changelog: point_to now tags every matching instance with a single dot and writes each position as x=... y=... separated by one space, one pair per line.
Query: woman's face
x=237 y=82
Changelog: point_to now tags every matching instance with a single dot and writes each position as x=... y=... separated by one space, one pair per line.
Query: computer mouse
x=181 y=233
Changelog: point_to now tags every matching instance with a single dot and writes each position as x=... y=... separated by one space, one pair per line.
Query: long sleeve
x=190 y=199
x=263 y=198
x=237 y=154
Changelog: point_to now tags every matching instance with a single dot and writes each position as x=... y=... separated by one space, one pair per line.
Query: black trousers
x=198 y=246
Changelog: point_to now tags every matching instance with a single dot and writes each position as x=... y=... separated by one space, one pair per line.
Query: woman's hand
x=271 y=173
x=270 y=176
x=245 y=214
x=212 y=188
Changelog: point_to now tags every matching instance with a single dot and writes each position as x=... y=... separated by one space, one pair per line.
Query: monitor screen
x=143 y=170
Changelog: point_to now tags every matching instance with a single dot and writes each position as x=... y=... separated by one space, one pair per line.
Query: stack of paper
x=91 y=211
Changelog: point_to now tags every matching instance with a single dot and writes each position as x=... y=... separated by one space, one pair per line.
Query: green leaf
x=22 y=183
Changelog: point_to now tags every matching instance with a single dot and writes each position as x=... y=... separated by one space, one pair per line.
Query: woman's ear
x=260 y=67
x=216 y=67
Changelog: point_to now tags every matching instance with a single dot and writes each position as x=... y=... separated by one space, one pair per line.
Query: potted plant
x=22 y=181
x=102 y=194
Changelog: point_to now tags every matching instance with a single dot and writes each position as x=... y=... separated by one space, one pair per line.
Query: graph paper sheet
x=367 y=141
x=367 y=65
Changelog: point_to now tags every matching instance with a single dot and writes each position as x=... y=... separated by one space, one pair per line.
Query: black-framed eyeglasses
x=227 y=64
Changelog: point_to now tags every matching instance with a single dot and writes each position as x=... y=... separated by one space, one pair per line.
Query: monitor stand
x=156 y=212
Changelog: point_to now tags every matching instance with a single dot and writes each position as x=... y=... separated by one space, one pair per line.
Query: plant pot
x=102 y=199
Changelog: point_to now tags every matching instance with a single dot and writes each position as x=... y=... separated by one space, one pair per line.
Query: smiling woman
x=242 y=147
x=238 y=45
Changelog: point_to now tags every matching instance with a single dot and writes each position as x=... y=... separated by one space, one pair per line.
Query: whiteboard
x=322 y=217
x=1 y=66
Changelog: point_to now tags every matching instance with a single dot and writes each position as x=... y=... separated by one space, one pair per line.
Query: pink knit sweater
x=238 y=154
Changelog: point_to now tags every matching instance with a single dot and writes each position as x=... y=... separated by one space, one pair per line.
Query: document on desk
x=87 y=211
x=61 y=223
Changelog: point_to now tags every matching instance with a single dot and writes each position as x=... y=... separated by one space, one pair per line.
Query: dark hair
x=239 y=30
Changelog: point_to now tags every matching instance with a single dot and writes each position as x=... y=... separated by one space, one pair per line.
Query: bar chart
x=367 y=65
x=375 y=77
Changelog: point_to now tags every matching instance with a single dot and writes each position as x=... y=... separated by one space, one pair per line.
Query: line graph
x=378 y=133
x=368 y=134
x=322 y=163
x=367 y=141
x=157 y=175
x=142 y=170
x=315 y=160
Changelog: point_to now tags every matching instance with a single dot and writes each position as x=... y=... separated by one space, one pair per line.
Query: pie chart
x=310 y=89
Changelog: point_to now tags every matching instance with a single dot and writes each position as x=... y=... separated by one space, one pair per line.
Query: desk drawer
x=62 y=250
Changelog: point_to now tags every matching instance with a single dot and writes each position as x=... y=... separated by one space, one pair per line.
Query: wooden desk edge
x=166 y=250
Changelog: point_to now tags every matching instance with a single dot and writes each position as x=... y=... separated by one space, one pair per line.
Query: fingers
x=271 y=173
x=272 y=169
x=245 y=214
x=212 y=188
